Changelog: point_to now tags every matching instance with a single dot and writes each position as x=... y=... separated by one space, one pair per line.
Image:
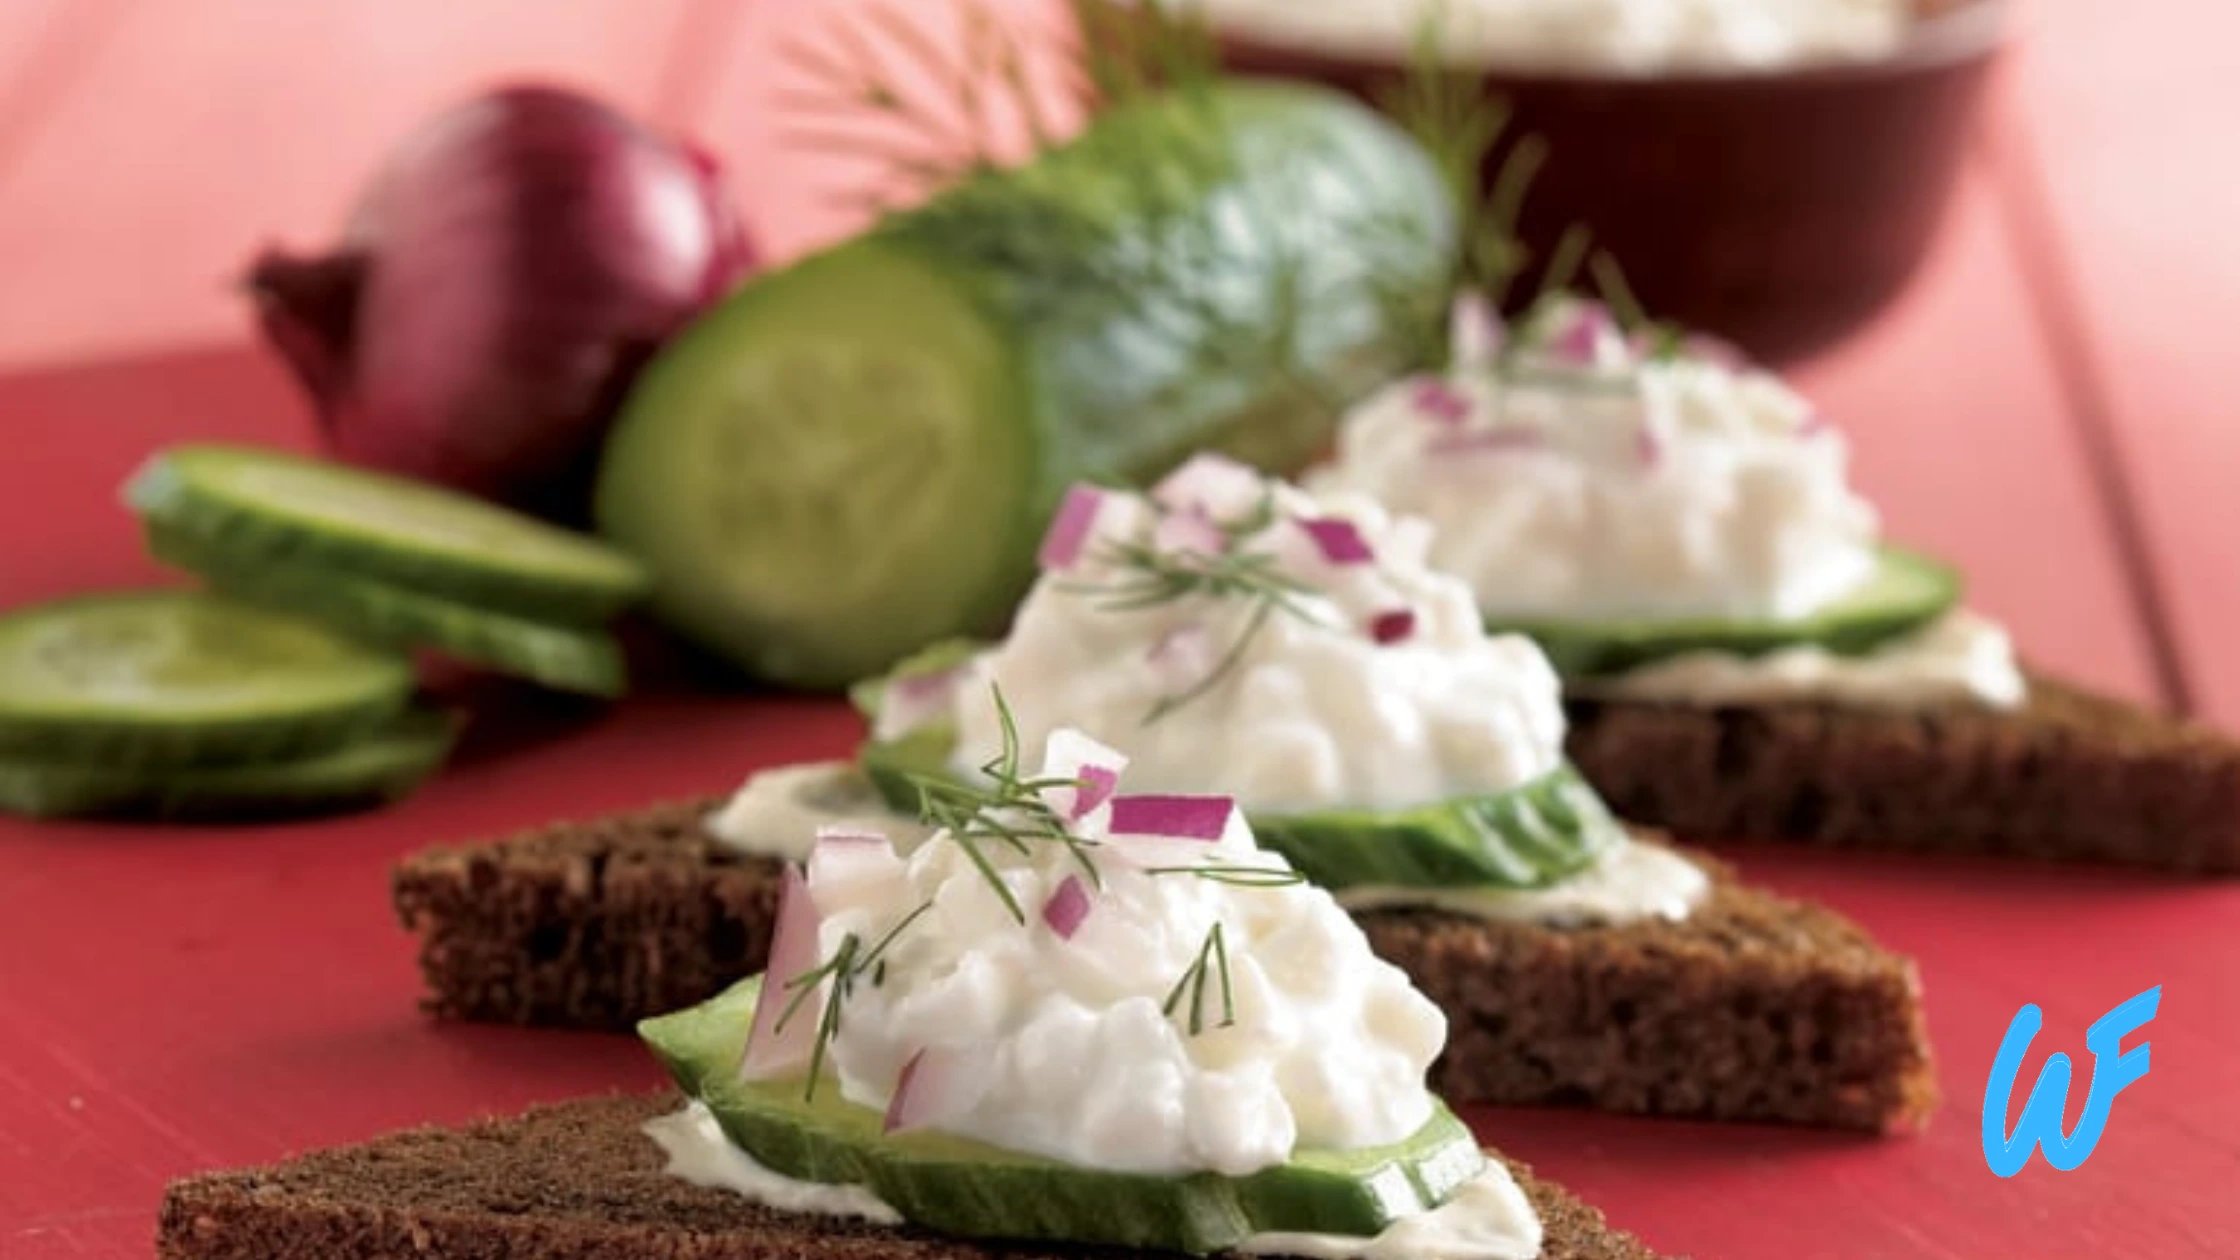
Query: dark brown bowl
x=1781 y=209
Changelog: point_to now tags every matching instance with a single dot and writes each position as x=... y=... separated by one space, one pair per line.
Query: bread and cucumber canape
x=1744 y=655
x=175 y=703
x=1230 y=631
x=1072 y=1019
x=392 y=561
x=853 y=457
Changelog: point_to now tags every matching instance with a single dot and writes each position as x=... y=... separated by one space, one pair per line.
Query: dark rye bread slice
x=2071 y=775
x=1754 y=1008
x=579 y=1182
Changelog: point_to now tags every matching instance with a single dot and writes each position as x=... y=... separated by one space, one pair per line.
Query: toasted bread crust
x=580 y=1182
x=2070 y=776
x=1754 y=1008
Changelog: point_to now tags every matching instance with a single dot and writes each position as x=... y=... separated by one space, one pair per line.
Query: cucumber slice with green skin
x=1530 y=836
x=255 y=505
x=380 y=766
x=855 y=456
x=566 y=658
x=969 y=1188
x=1907 y=591
x=179 y=678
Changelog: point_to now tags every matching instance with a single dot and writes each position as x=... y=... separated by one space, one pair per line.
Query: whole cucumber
x=855 y=456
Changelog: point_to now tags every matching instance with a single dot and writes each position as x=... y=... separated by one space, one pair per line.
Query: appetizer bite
x=1233 y=633
x=1070 y=1016
x=1744 y=654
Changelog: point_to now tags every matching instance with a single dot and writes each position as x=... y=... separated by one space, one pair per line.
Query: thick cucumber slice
x=855 y=456
x=1907 y=591
x=969 y=1188
x=254 y=505
x=1527 y=837
x=1530 y=836
x=563 y=657
x=380 y=766
x=175 y=678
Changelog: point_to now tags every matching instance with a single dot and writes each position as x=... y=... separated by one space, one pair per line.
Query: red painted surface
x=179 y=999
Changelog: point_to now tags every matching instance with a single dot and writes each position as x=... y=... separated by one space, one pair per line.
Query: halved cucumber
x=1527 y=837
x=176 y=678
x=854 y=456
x=254 y=505
x=564 y=657
x=377 y=767
x=1907 y=591
x=968 y=1188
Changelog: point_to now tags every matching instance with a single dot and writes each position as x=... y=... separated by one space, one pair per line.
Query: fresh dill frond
x=1209 y=967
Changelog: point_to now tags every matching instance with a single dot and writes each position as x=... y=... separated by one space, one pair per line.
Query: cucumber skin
x=1527 y=837
x=165 y=491
x=1587 y=650
x=1105 y=387
x=1035 y=1198
x=381 y=767
x=130 y=744
x=565 y=658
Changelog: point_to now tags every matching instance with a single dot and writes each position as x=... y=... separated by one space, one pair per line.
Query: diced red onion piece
x=1440 y=401
x=1183 y=817
x=1394 y=626
x=1649 y=447
x=1071 y=527
x=1506 y=438
x=1093 y=769
x=1213 y=486
x=1188 y=530
x=1814 y=425
x=773 y=1051
x=1066 y=908
x=1475 y=330
x=936 y=1085
x=1339 y=540
x=1098 y=783
x=1580 y=341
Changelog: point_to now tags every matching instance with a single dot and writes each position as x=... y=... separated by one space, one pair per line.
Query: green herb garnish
x=1212 y=962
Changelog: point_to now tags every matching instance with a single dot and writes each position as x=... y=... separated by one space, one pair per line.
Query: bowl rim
x=1973 y=31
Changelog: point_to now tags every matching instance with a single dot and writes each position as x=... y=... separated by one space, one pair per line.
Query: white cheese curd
x=1575 y=475
x=776 y=812
x=1636 y=880
x=1625 y=36
x=1962 y=656
x=1579 y=480
x=699 y=1152
x=1364 y=681
x=1067 y=1046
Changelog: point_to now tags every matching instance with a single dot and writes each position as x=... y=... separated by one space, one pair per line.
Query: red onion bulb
x=501 y=280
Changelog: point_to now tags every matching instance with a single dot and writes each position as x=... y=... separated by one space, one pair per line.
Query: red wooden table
x=2045 y=406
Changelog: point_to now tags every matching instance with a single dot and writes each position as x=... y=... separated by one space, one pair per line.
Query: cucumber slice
x=855 y=456
x=1527 y=837
x=1530 y=836
x=255 y=505
x=566 y=658
x=175 y=678
x=1907 y=591
x=378 y=767
x=963 y=1187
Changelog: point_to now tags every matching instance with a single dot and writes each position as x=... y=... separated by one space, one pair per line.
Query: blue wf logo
x=2112 y=1069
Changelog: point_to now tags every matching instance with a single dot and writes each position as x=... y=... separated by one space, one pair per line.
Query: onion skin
x=501 y=281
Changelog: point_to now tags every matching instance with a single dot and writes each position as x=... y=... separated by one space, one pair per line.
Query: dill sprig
x=1151 y=578
x=1008 y=811
x=1212 y=963
x=850 y=963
